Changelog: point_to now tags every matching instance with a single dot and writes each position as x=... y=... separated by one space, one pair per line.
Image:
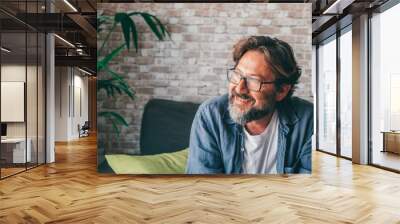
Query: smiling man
x=259 y=127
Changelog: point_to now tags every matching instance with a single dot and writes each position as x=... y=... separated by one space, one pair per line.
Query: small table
x=17 y=147
x=391 y=141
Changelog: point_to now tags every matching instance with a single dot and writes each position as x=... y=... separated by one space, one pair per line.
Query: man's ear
x=282 y=92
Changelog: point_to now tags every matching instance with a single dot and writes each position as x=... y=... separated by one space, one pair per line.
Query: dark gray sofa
x=165 y=128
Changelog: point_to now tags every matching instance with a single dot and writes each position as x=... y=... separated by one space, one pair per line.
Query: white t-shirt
x=260 y=150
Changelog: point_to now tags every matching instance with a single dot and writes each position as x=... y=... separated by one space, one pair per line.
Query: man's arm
x=305 y=153
x=204 y=153
x=305 y=157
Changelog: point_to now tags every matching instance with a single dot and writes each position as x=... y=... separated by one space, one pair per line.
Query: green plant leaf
x=135 y=37
x=102 y=64
x=115 y=84
x=164 y=30
x=114 y=75
x=115 y=119
x=101 y=20
x=121 y=85
x=106 y=39
x=128 y=26
x=153 y=26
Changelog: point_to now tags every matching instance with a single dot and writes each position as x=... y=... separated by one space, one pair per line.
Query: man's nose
x=242 y=86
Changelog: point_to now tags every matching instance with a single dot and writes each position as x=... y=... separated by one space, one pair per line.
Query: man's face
x=246 y=105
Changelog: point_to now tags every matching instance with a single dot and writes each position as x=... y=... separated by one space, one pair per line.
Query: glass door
x=345 y=60
x=22 y=78
x=385 y=89
x=14 y=154
x=326 y=108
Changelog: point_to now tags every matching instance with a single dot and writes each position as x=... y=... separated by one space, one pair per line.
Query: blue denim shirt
x=216 y=140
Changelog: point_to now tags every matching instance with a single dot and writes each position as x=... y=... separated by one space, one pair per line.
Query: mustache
x=243 y=96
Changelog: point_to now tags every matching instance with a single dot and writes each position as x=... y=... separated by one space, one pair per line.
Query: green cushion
x=165 y=163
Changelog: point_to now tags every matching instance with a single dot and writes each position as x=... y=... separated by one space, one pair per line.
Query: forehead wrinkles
x=255 y=62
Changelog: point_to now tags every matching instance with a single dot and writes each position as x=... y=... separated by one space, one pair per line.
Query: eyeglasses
x=252 y=84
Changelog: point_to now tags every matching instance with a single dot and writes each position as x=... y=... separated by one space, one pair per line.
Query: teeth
x=241 y=99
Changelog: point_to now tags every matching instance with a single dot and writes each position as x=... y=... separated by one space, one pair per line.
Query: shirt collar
x=287 y=114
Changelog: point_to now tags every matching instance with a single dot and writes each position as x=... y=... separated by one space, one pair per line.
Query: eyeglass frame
x=242 y=77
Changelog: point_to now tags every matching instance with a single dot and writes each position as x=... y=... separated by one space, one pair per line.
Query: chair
x=84 y=130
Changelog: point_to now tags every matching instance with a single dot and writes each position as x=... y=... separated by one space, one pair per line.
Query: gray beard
x=253 y=114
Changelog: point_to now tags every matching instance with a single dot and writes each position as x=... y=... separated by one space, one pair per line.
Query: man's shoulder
x=302 y=104
x=217 y=104
x=303 y=108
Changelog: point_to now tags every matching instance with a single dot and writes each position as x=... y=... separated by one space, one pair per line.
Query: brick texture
x=191 y=66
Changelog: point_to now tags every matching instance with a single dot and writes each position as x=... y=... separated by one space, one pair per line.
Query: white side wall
x=81 y=108
x=61 y=103
x=71 y=102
